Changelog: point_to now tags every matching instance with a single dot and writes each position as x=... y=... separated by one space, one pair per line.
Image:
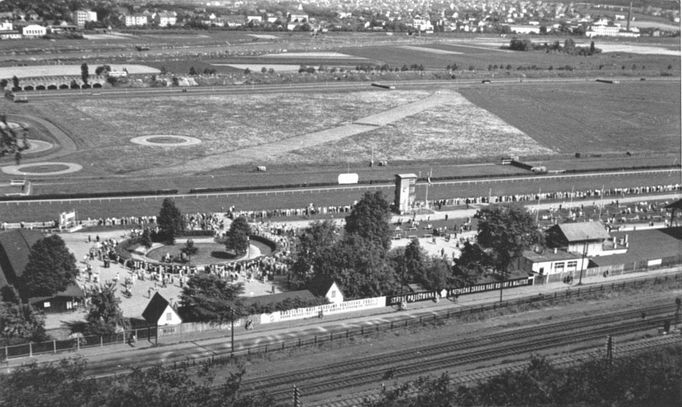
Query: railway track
x=456 y=353
x=479 y=374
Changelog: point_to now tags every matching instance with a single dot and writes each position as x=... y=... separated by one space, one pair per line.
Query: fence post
x=54 y=346
x=6 y=353
x=101 y=341
x=30 y=349
x=78 y=344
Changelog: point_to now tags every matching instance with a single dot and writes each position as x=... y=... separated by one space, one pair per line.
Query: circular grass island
x=208 y=252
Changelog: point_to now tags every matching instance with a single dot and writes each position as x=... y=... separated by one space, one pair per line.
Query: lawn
x=589 y=117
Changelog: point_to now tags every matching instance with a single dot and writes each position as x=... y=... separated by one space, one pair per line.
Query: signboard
x=327 y=309
x=348 y=178
x=454 y=292
x=409 y=298
x=483 y=287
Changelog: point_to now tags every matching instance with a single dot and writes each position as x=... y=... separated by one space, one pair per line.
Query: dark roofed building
x=15 y=246
x=323 y=286
x=581 y=238
x=159 y=312
x=66 y=300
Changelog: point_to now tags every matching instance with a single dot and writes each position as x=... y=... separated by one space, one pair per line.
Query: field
x=469 y=122
x=590 y=117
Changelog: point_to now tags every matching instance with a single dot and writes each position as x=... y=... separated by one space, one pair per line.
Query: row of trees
x=569 y=47
x=650 y=379
x=65 y=384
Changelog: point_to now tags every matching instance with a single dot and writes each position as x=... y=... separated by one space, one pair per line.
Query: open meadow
x=480 y=122
x=590 y=117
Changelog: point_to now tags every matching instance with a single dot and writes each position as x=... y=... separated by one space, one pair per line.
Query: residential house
x=159 y=312
x=165 y=18
x=324 y=286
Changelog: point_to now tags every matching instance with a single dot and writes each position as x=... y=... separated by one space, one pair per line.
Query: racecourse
x=294 y=198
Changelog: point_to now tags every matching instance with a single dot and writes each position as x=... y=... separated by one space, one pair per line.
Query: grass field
x=590 y=117
x=476 y=121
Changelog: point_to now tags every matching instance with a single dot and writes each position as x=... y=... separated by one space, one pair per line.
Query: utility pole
x=582 y=263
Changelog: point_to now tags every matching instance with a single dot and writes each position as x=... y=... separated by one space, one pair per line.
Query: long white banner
x=327 y=309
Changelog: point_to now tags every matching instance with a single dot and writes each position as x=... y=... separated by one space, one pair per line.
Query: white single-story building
x=552 y=262
x=34 y=31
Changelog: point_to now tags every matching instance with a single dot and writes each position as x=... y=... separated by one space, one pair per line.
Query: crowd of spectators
x=215 y=221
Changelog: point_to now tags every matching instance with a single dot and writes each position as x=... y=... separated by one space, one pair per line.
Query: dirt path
x=262 y=152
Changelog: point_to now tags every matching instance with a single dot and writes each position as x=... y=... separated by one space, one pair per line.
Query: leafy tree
x=414 y=259
x=146 y=238
x=15 y=82
x=238 y=236
x=85 y=73
x=192 y=71
x=105 y=315
x=19 y=323
x=170 y=221
x=370 y=218
x=59 y=384
x=207 y=298
x=436 y=275
x=50 y=268
x=3 y=83
x=189 y=248
x=505 y=232
x=311 y=242
x=471 y=265
x=359 y=266
x=65 y=384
